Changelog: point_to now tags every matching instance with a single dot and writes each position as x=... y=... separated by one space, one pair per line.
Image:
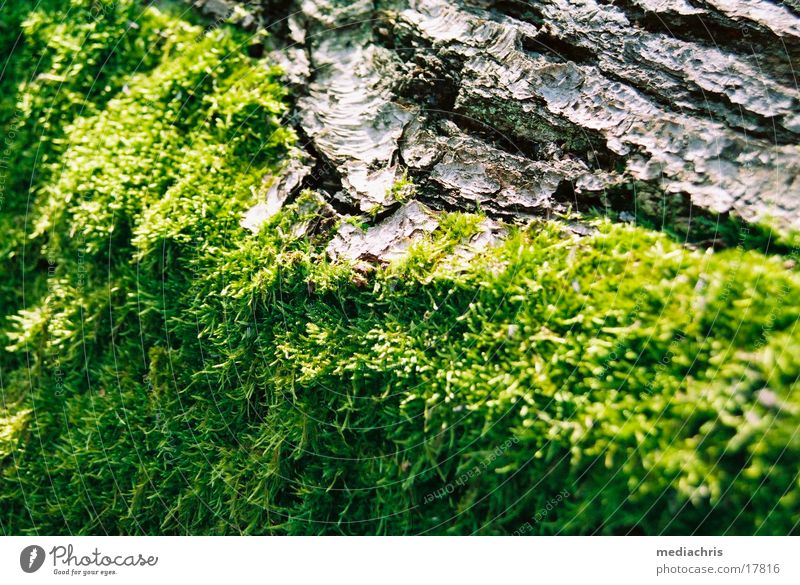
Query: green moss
x=171 y=373
x=402 y=190
x=675 y=215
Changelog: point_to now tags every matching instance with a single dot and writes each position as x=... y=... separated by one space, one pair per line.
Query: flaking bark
x=527 y=109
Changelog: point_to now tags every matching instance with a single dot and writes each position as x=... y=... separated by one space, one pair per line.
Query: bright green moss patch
x=169 y=372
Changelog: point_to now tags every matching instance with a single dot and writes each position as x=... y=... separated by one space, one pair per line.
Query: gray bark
x=530 y=108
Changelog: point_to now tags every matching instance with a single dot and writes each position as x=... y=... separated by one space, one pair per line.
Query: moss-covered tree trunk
x=163 y=370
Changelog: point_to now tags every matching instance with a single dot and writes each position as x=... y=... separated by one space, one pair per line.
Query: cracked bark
x=525 y=109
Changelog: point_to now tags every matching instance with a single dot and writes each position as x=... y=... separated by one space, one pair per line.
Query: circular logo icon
x=31 y=558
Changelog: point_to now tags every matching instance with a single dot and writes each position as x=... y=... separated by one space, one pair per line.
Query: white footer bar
x=401 y=560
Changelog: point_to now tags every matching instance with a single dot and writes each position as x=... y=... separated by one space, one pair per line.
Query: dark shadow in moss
x=677 y=217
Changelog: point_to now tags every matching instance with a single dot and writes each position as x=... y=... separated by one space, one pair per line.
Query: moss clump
x=171 y=373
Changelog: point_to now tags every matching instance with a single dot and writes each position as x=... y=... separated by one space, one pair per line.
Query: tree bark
x=527 y=109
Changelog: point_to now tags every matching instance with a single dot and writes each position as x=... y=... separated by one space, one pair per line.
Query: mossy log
x=165 y=370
